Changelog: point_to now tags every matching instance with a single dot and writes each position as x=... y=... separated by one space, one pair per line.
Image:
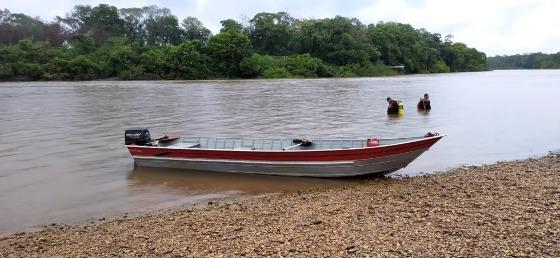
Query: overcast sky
x=493 y=26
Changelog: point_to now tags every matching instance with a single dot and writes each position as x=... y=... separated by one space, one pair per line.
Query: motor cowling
x=137 y=136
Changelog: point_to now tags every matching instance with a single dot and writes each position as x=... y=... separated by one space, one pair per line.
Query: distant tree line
x=526 y=61
x=151 y=43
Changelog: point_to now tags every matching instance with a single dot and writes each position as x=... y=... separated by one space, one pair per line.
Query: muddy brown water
x=62 y=158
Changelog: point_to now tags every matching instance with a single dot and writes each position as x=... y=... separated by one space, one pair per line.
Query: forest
x=150 y=43
x=525 y=61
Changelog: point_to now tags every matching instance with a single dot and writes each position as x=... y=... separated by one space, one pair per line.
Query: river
x=62 y=158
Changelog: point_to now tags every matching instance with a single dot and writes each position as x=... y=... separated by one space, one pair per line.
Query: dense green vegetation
x=151 y=43
x=526 y=61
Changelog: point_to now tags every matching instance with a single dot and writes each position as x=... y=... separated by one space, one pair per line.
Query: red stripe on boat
x=258 y=155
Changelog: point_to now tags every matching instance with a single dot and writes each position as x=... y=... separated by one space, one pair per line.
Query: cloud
x=495 y=27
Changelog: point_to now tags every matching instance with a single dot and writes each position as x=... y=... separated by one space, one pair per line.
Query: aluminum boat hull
x=312 y=163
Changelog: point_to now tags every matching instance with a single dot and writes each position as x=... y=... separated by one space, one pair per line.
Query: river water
x=62 y=158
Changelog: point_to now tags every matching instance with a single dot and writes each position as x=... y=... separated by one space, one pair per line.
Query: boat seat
x=190 y=144
x=244 y=148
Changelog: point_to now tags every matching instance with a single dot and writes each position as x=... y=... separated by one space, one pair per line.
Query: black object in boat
x=137 y=136
x=303 y=142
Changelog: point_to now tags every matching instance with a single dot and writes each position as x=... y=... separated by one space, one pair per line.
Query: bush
x=305 y=66
x=364 y=70
x=255 y=65
x=135 y=72
x=187 y=61
x=276 y=72
x=27 y=71
x=57 y=69
x=83 y=68
x=440 y=67
x=296 y=65
x=6 y=71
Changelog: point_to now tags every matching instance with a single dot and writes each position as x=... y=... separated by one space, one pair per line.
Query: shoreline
x=502 y=209
x=252 y=79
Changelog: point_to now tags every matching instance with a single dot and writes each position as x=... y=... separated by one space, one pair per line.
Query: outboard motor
x=137 y=136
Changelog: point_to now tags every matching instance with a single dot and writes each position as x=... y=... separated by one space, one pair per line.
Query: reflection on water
x=197 y=182
x=63 y=158
x=423 y=112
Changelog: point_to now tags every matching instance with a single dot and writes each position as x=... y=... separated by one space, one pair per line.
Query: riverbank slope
x=504 y=209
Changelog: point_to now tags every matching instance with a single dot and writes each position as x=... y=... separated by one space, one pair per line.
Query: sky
x=496 y=27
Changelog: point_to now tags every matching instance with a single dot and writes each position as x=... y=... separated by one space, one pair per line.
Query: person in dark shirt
x=393 y=107
x=424 y=103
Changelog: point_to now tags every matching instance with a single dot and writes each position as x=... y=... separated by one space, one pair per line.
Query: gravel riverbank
x=504 y=209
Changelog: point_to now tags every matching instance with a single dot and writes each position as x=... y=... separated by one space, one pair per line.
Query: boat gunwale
x=338 y=162
x=296 y=150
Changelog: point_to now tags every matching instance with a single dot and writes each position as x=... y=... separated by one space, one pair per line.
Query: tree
x=117 y=56
x=227 y=50
x=155 y=63
x=272 y=33
x=16 y=26
x=133 y=19
x=230 y=24
x=401 y=44
x=162 y=28
x=75 y=22
x=83 y=44
x=149 y=43
x=54 y=34
x=101 y=22
x=338 y=41
x=195 y=30
x=526 y=61
x=187 y=61
x=395 y=40
x=104 y=22
x=461 y=58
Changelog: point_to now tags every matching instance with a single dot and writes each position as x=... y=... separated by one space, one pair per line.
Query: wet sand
x=504 y=209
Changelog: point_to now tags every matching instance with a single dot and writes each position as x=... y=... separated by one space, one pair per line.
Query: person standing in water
x=424 y=103
x=393 y=107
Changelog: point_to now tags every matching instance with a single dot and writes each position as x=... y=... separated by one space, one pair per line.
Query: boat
x=285 y=157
